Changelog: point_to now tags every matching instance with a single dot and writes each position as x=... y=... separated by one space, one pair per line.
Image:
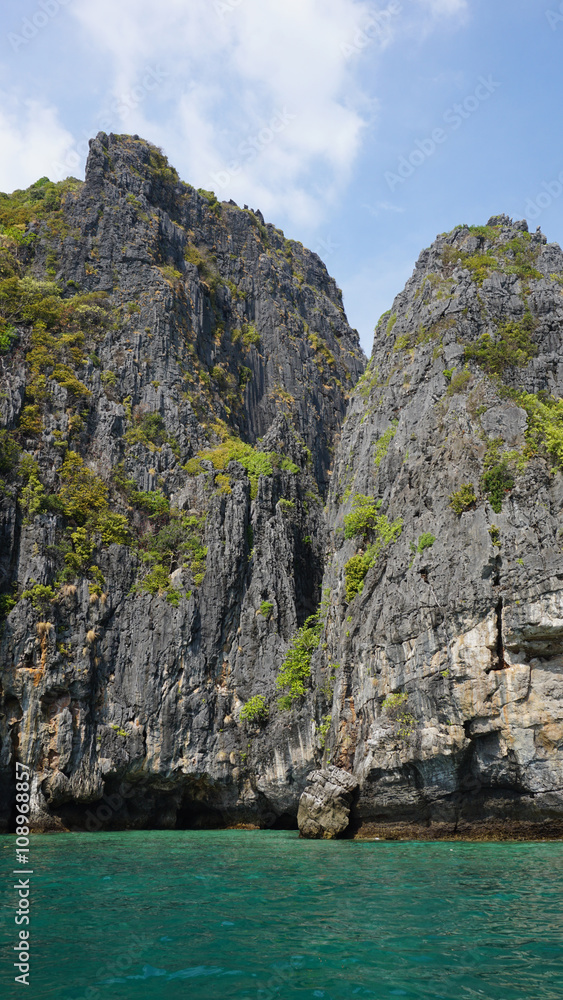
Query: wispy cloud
x=232 y=67
x=206 y=80
x=446 y=8
x=31 y=140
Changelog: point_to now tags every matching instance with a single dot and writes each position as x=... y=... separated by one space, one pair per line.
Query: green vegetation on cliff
x=296 y=667
x=255 y=710
x=516 y=256
x=512 y=346
x=544 y=434
x=463 y=499
x=178 y=543
x=498 y=478
x=364 y=521
x=255 y=463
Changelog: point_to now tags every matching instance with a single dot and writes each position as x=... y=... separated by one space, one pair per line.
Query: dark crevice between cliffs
x=500 y=661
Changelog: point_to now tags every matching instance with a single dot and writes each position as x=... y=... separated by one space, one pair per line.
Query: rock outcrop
x=324 y=807
x=175 y=377
x=188 y=632
x=446 y=575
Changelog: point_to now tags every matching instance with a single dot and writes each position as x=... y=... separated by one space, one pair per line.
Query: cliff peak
x=446 y=579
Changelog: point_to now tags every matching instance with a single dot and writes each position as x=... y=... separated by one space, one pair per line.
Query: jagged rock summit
x=446 y=576
x=189 y=633
x=174 y=379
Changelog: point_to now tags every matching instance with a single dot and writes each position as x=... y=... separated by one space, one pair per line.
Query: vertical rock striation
x=188 y=634
x=446 y=572
x=174 y=379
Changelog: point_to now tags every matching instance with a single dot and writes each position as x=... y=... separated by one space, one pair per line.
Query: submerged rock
x=324 y=807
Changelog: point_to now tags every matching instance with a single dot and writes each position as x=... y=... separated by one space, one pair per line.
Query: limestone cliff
x=446 y=574
x=188 y=632
x=174 y=377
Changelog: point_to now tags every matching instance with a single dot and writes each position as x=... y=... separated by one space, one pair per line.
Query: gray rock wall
x=434 y=573
x=125 y=703
x=463 y=630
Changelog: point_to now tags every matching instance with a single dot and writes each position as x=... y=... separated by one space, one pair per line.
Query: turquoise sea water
x=227 y=915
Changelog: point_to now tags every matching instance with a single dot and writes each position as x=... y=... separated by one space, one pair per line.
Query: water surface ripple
x=227 y=915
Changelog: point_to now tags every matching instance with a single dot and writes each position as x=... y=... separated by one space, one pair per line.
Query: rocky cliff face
x=446 y=575
x=174 y=377
x=188 y=632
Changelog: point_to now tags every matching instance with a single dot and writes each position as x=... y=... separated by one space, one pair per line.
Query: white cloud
x=261 y=101
x=31 y=140
x=232 y=67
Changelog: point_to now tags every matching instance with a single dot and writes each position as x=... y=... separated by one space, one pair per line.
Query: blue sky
x=337 y=118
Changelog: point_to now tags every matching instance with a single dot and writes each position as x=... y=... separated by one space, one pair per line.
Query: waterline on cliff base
x=227 y=915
